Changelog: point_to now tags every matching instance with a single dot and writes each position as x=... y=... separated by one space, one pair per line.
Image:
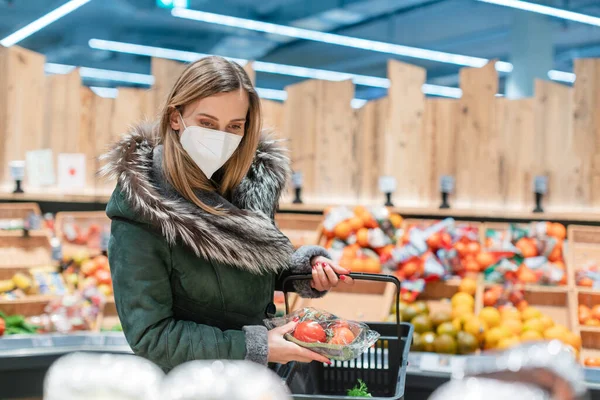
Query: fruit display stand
x=18 y=254
x=81 y=232
x=13 y=217
x=583 y=259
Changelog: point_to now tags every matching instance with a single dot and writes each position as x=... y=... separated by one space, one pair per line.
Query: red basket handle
x=355 y=276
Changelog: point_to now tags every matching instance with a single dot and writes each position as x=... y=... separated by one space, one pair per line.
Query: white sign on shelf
x=71 y=171
x=387 y=184
x=441 y=363
x=17 y=170
x=297 y=179
x=540 y=184
x=446 y=184
x=40 y=168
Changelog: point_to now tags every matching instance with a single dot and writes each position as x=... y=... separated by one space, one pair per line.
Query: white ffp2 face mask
x=209 y=148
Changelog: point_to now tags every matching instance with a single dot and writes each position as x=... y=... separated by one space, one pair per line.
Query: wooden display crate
x=28 y=306
x=364 y=301
x=83 y=220
x=584 y=247
x=18 y=253
x=17 y=211
x=302 y=229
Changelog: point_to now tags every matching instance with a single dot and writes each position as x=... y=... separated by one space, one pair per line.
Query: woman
x=194 y=253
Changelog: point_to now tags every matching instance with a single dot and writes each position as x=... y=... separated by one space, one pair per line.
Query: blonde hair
x=203 y=78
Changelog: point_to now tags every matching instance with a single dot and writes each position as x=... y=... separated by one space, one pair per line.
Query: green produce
x=16 y=325
x=360 y=390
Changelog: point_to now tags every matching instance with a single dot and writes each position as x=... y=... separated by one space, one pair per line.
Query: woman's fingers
x=337 y=269
x=316 y=281
x=331 y=276
x=322 y=277
x=347 y=279
x=308 y=356
x=287 y=328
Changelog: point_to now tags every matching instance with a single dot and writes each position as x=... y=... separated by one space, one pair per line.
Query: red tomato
x=310 y=332
x=103 y=276
x=342 y=336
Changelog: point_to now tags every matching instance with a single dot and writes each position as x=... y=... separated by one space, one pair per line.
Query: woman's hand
x=327 y=275
x=282 y=351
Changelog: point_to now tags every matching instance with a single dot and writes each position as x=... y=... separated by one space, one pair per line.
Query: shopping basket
x=382 y=367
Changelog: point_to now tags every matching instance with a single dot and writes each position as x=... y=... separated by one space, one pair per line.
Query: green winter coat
x=191 y=285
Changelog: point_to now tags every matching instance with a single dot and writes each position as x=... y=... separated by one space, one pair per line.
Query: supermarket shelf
x=54 y=201
x=25 y=359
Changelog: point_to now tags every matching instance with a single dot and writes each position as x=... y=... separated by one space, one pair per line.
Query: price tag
x=387 y=184
x=540 y=184
x=436 y=363
x=297 y=179
x=41 y=341
x=447 y=184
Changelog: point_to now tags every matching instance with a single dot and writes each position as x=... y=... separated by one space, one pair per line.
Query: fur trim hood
x=246 y=237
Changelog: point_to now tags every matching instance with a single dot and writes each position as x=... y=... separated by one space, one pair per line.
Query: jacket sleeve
x=300 y=264
x=140 y=263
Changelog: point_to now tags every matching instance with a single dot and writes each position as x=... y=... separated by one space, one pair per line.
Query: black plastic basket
x=382 y=367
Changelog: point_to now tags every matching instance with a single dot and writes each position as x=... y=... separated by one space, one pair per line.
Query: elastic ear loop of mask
x=182 y=121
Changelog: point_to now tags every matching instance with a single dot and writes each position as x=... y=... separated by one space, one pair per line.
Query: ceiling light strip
x=42 y=22
x=340 y=40
x=546 y=10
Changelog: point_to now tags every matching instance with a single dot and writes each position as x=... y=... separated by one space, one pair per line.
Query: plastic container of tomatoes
x=326 y=334
x=381 y=366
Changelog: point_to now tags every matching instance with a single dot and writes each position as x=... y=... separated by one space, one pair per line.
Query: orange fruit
x=572 y=339
x=360 y=210
x=471 y=266
x=328 y=243
x=355 y=223
x=596 y=311
x=556 y=253
x=346 y=263
x=461 y=298
x=527 y=247
x=461 y=249
x=362 y=237
x=592 y=362
x=592 y=322
x=396 y=220
x=358 y=265
x=586 y=282
x=490 y=298
x=584 y=313
x=434 y=241
x=369 y=221
x=411 y=267
x=484 y=259
x=372 y=266
x=473 y=248
x=328 y=234
x=526 y=275
x=343 y=230
x=556 y=230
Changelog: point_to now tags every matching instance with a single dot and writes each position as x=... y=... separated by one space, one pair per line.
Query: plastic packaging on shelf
x=223 y=380
x=81 y=376
x=538 y=371
x=72 y=312
x=326 y=334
